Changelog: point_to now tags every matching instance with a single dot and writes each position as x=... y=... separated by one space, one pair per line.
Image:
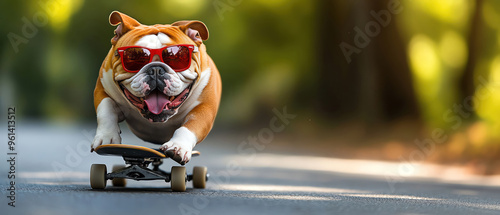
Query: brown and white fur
x=120 y=95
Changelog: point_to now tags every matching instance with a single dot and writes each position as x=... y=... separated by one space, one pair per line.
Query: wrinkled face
x=157 y=88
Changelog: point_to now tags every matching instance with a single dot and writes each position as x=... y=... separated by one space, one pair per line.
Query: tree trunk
x=376 y=86
x=395 y=80
x=466 y=84
x=337 y=85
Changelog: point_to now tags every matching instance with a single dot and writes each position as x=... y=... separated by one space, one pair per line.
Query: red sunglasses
x=178 y=57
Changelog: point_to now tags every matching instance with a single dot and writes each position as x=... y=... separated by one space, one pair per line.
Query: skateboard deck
x=132 y=151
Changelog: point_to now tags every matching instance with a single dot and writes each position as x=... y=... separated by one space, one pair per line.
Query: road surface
x=52 y=177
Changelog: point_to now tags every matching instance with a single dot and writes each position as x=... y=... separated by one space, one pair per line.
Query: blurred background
x=366 y=79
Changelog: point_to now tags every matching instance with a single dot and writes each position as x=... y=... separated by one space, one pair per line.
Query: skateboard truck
x=137 y=172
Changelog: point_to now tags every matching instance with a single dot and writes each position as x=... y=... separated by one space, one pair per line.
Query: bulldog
x=161 y=81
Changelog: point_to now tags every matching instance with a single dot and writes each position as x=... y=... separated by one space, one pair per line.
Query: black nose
x=158 y=76
x=156 y=71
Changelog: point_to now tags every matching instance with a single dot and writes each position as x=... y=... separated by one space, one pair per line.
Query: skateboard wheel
x=98 y=176
x=118 y=182
x=178 y=178
x=199 y=177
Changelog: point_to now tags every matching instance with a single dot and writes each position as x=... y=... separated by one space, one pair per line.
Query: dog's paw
x=179 y=152
x=180 y=147
x=105 y=137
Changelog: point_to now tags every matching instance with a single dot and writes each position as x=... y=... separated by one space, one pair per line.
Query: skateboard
x=138 y=159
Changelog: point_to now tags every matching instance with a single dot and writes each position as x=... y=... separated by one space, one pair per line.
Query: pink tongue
x=156 y=102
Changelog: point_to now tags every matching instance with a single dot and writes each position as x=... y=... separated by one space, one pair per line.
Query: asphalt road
x=52 y=177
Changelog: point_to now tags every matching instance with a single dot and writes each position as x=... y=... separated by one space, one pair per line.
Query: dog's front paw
x=180 y=147
x=105 y=137
x=179 y=152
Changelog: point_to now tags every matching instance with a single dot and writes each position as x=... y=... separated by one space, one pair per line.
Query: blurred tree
x=364 y=87
x=466 y=84
x=394 y=71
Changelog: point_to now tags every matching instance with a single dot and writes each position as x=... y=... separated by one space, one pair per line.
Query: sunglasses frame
x=152 y=52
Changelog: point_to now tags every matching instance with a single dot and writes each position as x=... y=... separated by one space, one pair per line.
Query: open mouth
x=156 y=106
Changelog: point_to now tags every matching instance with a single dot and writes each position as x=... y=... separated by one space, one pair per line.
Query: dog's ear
x=196 y=30
x=125 y=23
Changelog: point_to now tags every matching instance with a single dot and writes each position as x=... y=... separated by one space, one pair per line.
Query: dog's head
x=156 y=66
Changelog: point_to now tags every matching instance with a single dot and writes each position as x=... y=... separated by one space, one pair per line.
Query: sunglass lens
x=177 y=57
x=135 y=58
